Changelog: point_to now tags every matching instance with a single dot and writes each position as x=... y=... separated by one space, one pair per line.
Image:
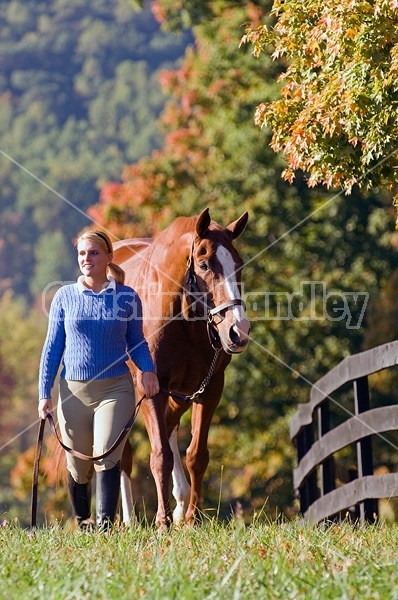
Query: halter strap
x=225 y=305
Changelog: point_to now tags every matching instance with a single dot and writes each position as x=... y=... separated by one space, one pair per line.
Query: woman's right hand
x=45 y=406
x=150 y=383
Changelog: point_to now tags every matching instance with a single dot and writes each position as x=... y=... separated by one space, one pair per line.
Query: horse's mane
x=167 y=238
x=152 y=252
x=180 y=227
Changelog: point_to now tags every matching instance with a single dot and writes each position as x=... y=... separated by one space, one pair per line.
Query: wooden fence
x=317 y=480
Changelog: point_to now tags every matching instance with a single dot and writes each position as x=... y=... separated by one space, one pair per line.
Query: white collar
x=111 y=285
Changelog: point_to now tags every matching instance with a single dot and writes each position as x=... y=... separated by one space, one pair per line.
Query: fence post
x=327 y=471
x=368 y=508
x=308 y=491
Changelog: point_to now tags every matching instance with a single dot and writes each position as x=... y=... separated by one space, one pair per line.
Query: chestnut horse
x=188 y=279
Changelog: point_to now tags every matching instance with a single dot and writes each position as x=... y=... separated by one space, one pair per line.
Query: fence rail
x=315 y=478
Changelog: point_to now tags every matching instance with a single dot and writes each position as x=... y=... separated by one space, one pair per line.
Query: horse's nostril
x=234 y=336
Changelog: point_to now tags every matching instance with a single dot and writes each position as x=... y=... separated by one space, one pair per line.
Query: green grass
x=212 y=560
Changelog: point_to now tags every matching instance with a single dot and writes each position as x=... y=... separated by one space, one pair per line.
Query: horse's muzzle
x=237 y=340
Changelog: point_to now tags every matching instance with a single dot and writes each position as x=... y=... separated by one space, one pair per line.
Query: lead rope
x=202 y=386
x=206 y=380
x=35 y=480
x=75 y=453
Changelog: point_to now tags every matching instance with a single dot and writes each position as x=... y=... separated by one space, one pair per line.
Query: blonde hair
x=101 y=238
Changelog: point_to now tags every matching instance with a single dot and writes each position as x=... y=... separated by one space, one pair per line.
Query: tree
x=79 y=97
x=336 y=117
x=21 y=338
x=53 y=263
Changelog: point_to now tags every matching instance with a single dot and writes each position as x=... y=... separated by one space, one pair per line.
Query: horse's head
x=213 y=283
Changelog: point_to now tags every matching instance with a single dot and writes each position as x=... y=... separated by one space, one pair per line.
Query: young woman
x=95 y=325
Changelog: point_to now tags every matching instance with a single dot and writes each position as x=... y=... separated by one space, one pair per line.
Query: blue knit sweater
x=95 y=334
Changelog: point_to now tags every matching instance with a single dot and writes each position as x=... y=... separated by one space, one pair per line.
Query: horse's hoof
x=164 y=523
x=179 y=514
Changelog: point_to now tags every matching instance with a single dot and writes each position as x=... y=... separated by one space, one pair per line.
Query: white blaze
x=229 y=270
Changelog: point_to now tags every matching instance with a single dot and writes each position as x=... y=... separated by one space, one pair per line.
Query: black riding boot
x=108 y=490
x=80 y=497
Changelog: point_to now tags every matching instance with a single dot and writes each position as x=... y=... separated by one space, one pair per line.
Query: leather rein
x=35 y=480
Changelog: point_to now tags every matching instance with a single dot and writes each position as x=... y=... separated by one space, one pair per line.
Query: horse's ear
x=203 y=223
x=238 y=226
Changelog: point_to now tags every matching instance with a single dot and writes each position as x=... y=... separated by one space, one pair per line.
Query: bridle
x=200 y=307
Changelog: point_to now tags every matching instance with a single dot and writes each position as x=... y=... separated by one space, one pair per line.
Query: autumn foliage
x=209 y=86
x=52 y=479
x=336 y=118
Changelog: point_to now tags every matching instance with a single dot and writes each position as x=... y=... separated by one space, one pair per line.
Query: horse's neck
x=127 y=251
x=168 y=266
x=158 y=277
x=157 y=267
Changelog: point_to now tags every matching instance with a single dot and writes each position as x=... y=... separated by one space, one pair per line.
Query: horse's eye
x=203 y=266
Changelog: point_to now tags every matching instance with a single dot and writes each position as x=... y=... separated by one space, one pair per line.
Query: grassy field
x=212 y=560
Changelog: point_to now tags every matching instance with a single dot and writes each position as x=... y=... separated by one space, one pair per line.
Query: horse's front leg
x=126 y=493
x=181 y=487
x=197 y=455
x=161 y=461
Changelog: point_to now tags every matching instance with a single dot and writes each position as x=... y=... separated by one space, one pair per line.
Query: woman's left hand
x=150 y=384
